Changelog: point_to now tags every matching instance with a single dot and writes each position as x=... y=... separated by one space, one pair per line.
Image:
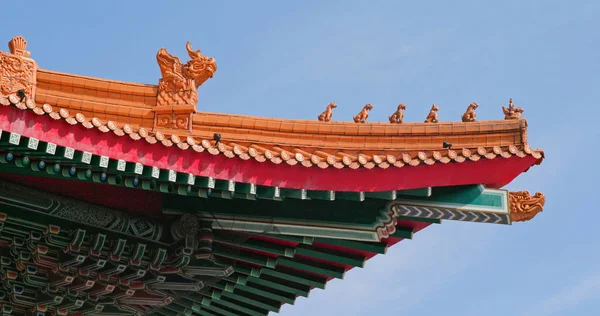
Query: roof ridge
x=78 y=76
x=276 y=154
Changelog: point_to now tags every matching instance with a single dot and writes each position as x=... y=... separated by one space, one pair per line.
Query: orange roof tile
x=166 y=114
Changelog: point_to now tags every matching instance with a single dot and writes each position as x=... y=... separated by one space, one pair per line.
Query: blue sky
x=289 y=59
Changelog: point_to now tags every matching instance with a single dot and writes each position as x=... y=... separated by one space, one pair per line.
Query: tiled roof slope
x=139 y=111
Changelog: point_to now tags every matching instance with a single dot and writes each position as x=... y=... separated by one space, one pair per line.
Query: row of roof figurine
x=510 y=113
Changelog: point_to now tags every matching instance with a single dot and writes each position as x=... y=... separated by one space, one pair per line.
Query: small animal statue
x=432 y=117
x=326 y=115
x=470 y=115
x=398 y=116
x=512 y=112
x=362 y=116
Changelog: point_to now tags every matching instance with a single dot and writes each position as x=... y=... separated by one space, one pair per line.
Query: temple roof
x=135 y=110
x=165 y=115
x=217 y=198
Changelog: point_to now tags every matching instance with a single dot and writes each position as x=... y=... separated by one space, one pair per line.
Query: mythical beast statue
x=179 y=82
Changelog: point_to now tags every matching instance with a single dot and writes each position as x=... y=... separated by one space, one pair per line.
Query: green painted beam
x=297 y=239
x=314 y=267
x=467 y=197
x=264 y=292
x=419 y=219
x=218 y=310
x=278 y=285
x=296 y=277
x=225 y=185
x=331 y=256
x=350 y=196
x=265 y=305
x=238 y=307
x=237 y=254
x=321 y=195
x=403 y=232
x=422 y=192
x=252 y=244
x=265 y=192
x=248 y=270
x=387 y=195
x=293 y=194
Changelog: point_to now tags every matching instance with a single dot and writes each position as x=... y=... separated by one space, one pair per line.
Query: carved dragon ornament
x=178 y=87
x=179 y=82
x=17 y=70
x=524 y=206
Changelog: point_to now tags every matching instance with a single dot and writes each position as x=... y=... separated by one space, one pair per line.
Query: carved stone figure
x=512 y=112
x=398 y=116
x=523 y=206
x=362 y=116
x=179 y=82
x=432 y=117
x=17 y=71
x=470 y=115
x=328 y=113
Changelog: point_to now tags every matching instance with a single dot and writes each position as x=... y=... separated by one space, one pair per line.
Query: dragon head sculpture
x=200 y=68
x=179 y=82
x=524 y=206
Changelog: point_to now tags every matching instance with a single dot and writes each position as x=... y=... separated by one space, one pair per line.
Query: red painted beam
x=493 y=173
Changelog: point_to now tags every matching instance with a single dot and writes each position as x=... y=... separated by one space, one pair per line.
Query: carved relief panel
x=17 y=70
x=173 y=120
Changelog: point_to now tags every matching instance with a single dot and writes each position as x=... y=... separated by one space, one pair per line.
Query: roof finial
x=328 y=113
x=470 y=115
x=398 y=116
x=18 y=45
x=432 y=117
x=512 y=112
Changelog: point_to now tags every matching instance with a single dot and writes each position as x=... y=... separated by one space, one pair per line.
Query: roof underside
x=254 y=273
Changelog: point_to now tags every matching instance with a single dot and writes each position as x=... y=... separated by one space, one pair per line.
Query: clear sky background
x=289 y=59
